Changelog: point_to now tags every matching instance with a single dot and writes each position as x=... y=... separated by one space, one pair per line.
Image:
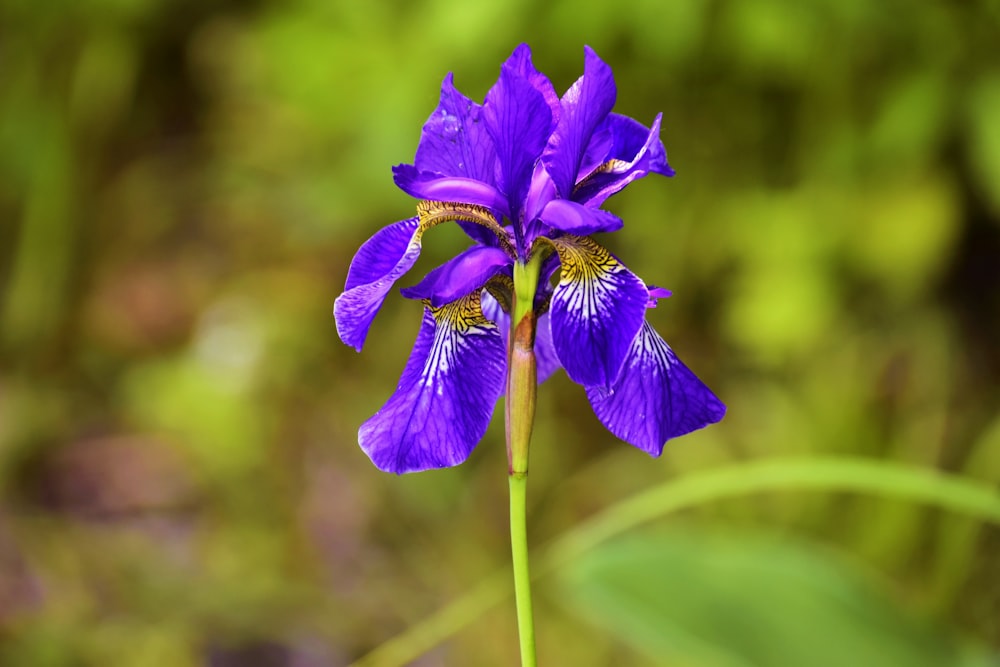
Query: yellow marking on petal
x=432 y=213
x=603 y=168
x=583 y=259
x=592 y=271
x=462 y=314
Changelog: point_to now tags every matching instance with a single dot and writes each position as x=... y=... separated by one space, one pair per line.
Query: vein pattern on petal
x=597 y=309
x=655 y=398
x=445 y=397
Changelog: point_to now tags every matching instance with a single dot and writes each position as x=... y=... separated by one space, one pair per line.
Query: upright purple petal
x=454 y=141
x=460 y=275
x=446 y=395
x=520 y=62
x=519 y=120
x=655 y=398
x=636 y=151
x=572 y=218
x=379 y=262
x=584 y=106
x=541 y=190
x=597 y=309
x=598 y=149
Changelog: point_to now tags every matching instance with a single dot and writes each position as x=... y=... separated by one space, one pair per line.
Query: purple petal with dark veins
x=584 y=106
x=460 y=275
x=446 y=395
x=655 y=398
x=454 y=141
x=520 y=62
x=597 y=309
x=379 y=262
x=572 y=218
x=637 y=151
x=546 y=361
x=519 y=120
x=428 y=185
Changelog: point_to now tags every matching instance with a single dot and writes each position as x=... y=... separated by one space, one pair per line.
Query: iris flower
x=525 y=174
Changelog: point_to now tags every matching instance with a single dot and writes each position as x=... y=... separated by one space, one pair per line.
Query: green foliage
x=736 y=600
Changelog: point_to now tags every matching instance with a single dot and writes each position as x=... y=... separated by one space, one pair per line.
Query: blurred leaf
x=742 y=600
x=984 y=136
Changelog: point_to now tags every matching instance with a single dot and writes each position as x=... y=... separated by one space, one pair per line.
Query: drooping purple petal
x=379 y=262
x=572 y=218
x=655 y=398
x=446 y=395
x=584 y=106
x=428 y=185
x=520 y=62
x=460 y=275
x=637 y=151
x=597 y=309
x=454 y=141
x=519 y=120
x=546 y=361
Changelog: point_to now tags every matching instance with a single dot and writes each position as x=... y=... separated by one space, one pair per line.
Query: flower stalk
x=522 y=370
x=519 y=420
x=522 y=577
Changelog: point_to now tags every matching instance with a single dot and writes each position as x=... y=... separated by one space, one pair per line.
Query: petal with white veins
x=446 y=395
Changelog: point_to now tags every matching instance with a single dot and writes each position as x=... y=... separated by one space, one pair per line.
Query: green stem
x=522 y=388
x=522 y=578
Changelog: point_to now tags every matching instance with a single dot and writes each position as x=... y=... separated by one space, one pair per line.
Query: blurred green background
x=183 y=184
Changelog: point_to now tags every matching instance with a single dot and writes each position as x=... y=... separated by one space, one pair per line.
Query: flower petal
x=428 y=185
x=385 y=257
x=546 y=361
x=520 y=62
x=636 y=152
x=446 y=395
x=655 y=398
x=519 y=120
x=462 y=274
x=545 y=352
x=454 y=141
x=597 y=309
x=657 y=293
x=598 y=149
x=572 y=218
x=379 y=262
x=584 y=106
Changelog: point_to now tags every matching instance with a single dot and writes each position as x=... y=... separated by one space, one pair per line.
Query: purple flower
x=525 y=174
